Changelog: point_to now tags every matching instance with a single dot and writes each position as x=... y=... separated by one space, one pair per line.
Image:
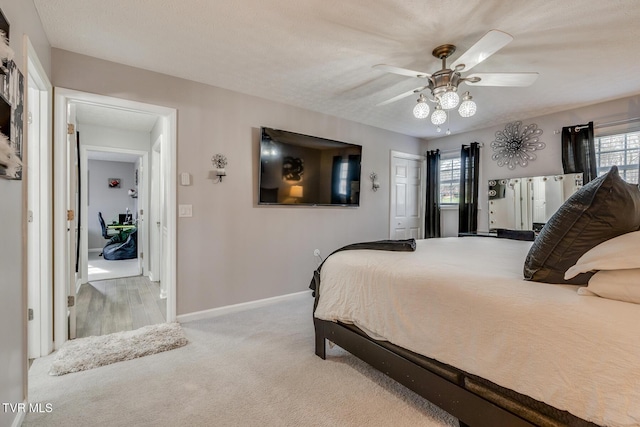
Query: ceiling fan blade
x=402 y=95
x=503 y=79
x=402 y=71
x=489 y=44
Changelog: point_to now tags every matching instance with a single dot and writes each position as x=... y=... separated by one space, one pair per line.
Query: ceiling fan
x=443 y=84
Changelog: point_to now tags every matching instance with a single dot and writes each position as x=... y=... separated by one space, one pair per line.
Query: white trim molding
x=228 y=309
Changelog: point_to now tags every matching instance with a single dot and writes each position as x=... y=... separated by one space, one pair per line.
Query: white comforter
x=463 y=301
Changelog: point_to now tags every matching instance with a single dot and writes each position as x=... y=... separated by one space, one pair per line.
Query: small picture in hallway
x=114 y=182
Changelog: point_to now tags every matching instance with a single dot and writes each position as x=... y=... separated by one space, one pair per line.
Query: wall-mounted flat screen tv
x=305 y=170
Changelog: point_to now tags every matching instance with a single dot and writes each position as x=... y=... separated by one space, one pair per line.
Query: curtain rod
x=606 y=124
x=617 y=122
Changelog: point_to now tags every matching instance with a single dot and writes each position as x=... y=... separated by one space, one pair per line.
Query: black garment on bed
x=527 y=235
x=406 y=245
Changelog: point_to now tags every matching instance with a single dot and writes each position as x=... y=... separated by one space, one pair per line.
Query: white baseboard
x=95 y=250
x=219 y=311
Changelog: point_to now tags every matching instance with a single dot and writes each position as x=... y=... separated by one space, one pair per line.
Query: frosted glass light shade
x=449 y=100
x=467 y=108
x=438 y=117
x=421 y=110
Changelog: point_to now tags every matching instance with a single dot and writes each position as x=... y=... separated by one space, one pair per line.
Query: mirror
x=528 y=203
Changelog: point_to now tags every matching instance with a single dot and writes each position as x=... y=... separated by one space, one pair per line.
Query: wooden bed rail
x=469 y=408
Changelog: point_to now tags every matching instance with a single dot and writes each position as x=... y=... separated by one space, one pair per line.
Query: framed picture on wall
x=114 y=182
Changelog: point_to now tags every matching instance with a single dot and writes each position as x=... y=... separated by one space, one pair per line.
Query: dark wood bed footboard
x=474 y=401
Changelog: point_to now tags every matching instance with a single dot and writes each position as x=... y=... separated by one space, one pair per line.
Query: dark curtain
x=468 y=202
x=578 y=151
x=432 y=208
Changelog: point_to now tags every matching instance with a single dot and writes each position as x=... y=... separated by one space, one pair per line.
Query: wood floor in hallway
x=114 y=305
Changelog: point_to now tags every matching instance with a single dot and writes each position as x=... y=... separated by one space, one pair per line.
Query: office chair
x=106 y=233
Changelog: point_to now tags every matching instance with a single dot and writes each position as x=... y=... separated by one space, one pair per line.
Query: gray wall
x=23 y=19
x=232 y=250
x=549 y=160
x=109 y=201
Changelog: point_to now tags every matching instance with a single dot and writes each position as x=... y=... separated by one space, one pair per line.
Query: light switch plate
x=185 y=178
x=185 y=211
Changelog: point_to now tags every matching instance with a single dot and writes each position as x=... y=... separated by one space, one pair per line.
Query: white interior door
x=140 y=214
x=39 y=210
x=166 y=266
x=72 y=219
x=406 y=196
x=33 y=225
x=155 y=247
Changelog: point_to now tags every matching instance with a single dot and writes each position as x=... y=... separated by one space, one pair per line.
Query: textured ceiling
x=318 y=54
x=114 y=117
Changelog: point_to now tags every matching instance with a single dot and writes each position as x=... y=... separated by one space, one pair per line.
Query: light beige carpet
x=250 y=368
x=95 y=351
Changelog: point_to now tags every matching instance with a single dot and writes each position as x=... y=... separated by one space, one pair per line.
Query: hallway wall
x=24 y=20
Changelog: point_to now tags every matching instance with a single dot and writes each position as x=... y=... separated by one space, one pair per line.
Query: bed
x=456 y=322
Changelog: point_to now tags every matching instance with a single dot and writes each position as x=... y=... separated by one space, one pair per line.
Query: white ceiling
x=112 y=156
x=318 y=54
x=114 y=117
x=138 y=121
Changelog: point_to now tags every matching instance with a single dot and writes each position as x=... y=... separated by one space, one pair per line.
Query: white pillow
x=619 y=253
x=621 y=285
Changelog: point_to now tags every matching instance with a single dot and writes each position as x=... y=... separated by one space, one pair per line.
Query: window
x=449 y=179
x=344 y=173
x=622 y=150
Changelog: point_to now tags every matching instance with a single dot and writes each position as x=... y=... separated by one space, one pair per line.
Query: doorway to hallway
x=68 y=100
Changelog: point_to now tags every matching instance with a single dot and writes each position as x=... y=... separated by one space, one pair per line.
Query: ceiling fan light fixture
x=444 y=83
x=468 y=106
x=449 y=99
x=421 y=110
x=439 y=116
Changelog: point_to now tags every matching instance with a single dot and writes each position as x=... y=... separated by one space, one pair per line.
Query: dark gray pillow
x=604 y=208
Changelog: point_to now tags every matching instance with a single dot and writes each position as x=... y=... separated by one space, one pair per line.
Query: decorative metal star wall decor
x=514 y=147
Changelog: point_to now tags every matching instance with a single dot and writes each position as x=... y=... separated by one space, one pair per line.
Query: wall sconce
x=375 y=184
x=219 y=161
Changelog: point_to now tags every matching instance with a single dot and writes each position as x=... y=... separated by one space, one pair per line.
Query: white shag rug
x=91 y=352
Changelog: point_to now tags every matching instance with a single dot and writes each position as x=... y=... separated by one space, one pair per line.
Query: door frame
x=84 y=203
x=62 y=98
x=392 y=186
x=39 y=289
